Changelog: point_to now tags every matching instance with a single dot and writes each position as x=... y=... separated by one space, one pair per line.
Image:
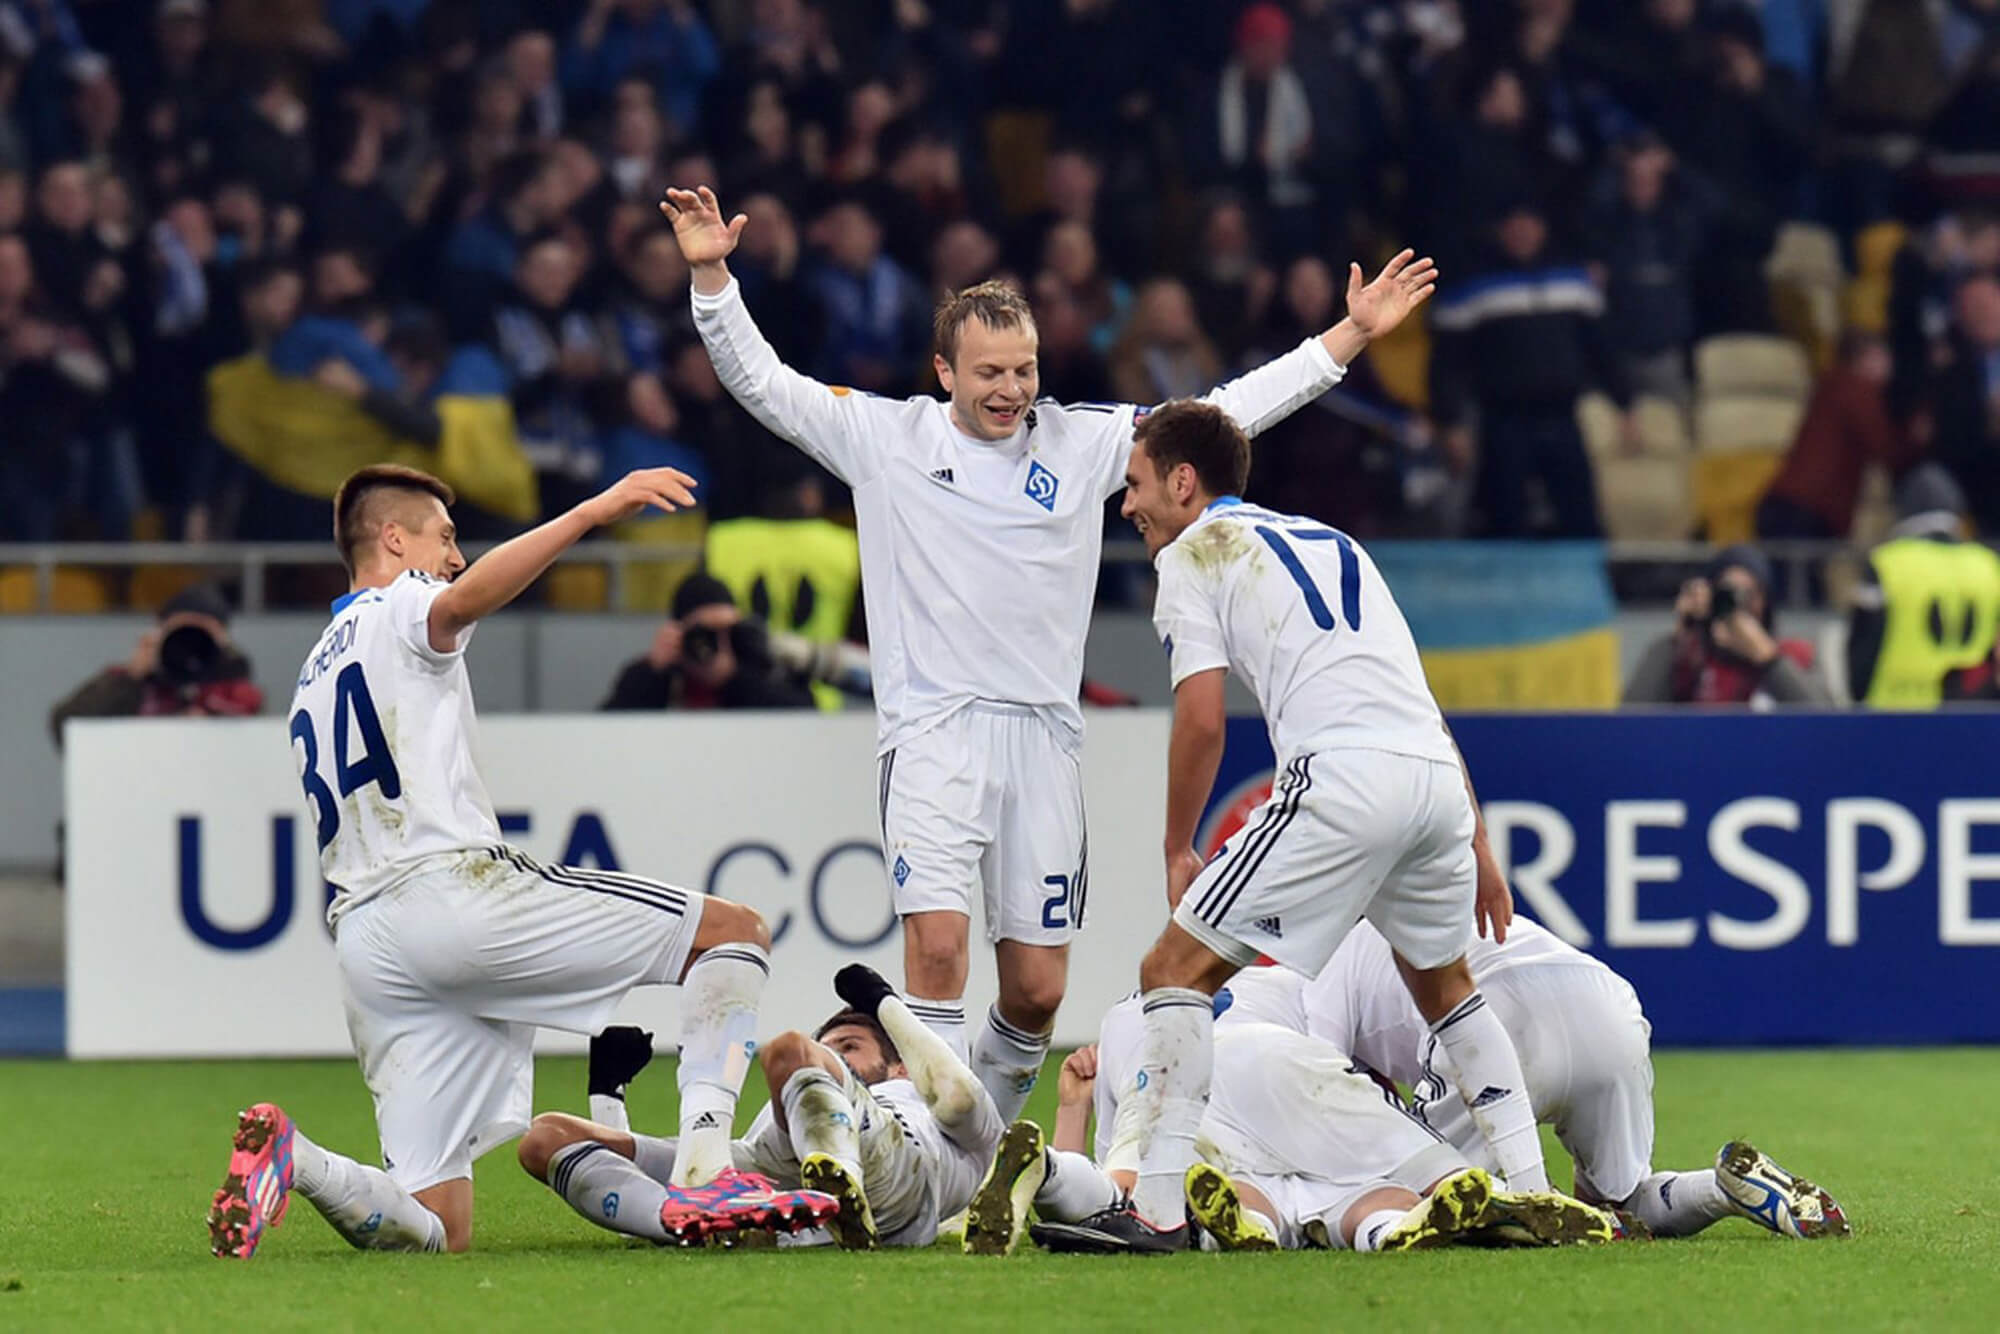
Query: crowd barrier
x=1760 y=878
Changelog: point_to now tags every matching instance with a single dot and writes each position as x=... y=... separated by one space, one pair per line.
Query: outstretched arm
x=504 y=573
x=817 y=418
x=961 y=1104
x=1267 y=395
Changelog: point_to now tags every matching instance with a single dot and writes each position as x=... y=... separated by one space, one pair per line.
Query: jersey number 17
x=1350 y=572
x=353 y=709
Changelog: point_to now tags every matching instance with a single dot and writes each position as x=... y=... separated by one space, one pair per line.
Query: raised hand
x=697 y=220
x=1405 y=283
x=667 y=489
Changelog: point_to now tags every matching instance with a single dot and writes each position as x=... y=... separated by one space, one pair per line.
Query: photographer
x=1723 y=650
x=185 y=666
x=709 y=656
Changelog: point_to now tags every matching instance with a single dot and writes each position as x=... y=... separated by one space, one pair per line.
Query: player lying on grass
x=1585 y=1052
x=452 y=947
x=981 y=530
x=874 y=1110
x=1299 y=1148
x=1372 y=813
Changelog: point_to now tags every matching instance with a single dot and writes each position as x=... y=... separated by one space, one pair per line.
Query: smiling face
x=994 y=378
x=1159 y=503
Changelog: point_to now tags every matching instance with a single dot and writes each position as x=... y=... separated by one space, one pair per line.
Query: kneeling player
x=874 y=1110
x=1300 y=1148
x=1586 y=1057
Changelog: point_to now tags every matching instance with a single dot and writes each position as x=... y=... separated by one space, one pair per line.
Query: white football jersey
x=1360 y=1004
x=1300 y=612
x=381 y=729
x=978 y=559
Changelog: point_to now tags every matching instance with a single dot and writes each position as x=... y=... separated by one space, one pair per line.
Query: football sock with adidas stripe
x=1679 y=1204
x=946 y=1018
x=364 y=1204
x=1075 y=1188
x=1176 y=1062
x=608 y=1190
x=1008 y=1060
x=719 y=1002
x=1496 y=1093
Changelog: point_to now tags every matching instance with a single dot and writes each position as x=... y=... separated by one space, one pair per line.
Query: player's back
x=381 y=729
x=1302 y=614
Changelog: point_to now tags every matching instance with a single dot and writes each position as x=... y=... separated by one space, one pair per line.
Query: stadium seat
x=153 y=585
x=1728 y=483
x=1734 y=422
x=1751 y=364
x=577 y=586
x=1402 y=363
x=1663 y=428
x=1644 y=497
x=72 y=591
x=1806 y=253
x=1806 y=276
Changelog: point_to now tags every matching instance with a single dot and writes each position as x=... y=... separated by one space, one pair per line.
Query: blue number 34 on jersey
x=1041 y=486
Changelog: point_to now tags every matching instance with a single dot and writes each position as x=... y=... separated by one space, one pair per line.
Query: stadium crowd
x=405 y=206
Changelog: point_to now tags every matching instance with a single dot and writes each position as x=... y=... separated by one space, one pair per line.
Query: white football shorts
x=447 y=975
x=1345 y=834
x=992 y=795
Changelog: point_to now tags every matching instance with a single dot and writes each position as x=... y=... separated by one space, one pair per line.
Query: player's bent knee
x=783 y=1055
x=726 y=923
x=548 y=1134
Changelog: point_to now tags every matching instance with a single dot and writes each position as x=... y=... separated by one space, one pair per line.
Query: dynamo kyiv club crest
x=1041 y=486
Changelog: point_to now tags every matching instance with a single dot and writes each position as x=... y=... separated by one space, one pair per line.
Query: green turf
x=110 y=1168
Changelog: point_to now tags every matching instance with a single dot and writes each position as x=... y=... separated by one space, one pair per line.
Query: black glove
x=617 y=1055
x=862 y=987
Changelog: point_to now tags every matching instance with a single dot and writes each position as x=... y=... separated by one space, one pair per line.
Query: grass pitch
x=111 y=1167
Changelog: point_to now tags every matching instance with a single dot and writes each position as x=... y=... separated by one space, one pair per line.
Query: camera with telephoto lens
x=700 y=643
x=1722 y=603
x=189 y=656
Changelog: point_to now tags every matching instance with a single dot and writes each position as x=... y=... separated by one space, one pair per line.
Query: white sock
x=1495 y=1091
x=1373 y=1228
x=608 y=1110
x=718 y=1042
x=607 y=1190
x=1008 y=1060
x=363 y=1203
x=1679 y=1204
x=1074 y=1189
x=1176 y=1060
x=821 y=1119
x=944 y=1081
x=946 y=1018
x=654 y=1156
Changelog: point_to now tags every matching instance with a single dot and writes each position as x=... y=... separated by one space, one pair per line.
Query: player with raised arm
x=1372 y=813
x=1586 y=1055
x=452 y=947
x=981 y=528
x=873 y=1109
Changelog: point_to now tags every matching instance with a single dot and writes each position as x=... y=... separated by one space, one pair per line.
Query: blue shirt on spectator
x=681 y=57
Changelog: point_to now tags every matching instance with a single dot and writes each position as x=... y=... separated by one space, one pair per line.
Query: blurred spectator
x=268 y=141
x=1924 y=283
x=485 y=249
x=1070 y=256
x=185 y=666
x=1724 y=647
x=1928 y=604
x=772 y=274
x=1071 y=370
x=1231 y=286
x=1489 y=156
x=875 y=320
x=1163 y=352
x=561 y=368
x=663 y=38
x=1966 y=400
x=1648 y=226
x=965 y=253
x=708 y=656
x=1518 y=342
x=530 y=61
x=1847 y=428
x=51 y=374
x=1263 y=131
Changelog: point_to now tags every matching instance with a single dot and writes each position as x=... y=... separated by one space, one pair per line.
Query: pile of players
x=1241 y=1107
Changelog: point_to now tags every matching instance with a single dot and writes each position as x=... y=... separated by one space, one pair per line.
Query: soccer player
x=1372 y=813
x=981 y=528
x=874 y=1110
x=1585 y=1053
x=1300 y=1148
x=453 y=948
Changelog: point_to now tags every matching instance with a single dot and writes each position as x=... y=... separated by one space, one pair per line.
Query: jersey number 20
x=1350 y=572
x=351 y=704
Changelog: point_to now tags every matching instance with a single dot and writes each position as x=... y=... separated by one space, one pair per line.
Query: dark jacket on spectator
x=1520 y=339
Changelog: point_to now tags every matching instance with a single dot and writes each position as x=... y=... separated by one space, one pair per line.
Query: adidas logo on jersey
x=1270 y=927
x=942 y=475
x=1490 y=1095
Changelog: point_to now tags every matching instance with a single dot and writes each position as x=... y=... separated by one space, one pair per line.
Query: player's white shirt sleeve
x=1259 y=399
x=844 y=430
x=409 y=606
x=1187 y=616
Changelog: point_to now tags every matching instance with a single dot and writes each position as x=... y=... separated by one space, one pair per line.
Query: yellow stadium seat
x=77 y=592
x=1644 y=497
x=1864 y=305
x=1805 y=252
x=1402 y=363
x=1727 y=486
x=1731 y=423
x=650 y=585
x=1663 y=430
x=1876 y=247
x=153 y=585
x=577 y=587
x=1751 y=364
